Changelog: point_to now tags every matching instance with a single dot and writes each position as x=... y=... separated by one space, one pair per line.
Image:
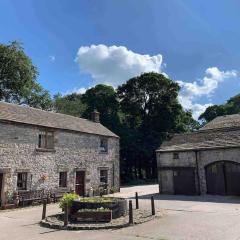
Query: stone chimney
x=95 y=116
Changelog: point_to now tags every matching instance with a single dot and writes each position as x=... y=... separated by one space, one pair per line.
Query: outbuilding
x=203 y=162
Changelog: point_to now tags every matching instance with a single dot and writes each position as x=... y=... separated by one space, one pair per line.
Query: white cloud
x=115 y=64
x=196 y=108
x=81 y=90
x=52 y=58
x=206 y=86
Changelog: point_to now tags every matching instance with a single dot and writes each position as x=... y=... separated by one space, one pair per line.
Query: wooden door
x=215 y=178
x=80 y=183
x=232 y=178
x=1 y=183
x=184 y=181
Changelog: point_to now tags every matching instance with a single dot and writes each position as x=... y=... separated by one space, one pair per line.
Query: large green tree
x=152 y=111
x=18 y=78
x=143 y=112
x=104 y=99
x=232 y=106
x=70 y=104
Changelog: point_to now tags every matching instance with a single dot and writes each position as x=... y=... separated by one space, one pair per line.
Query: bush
x=68 y=198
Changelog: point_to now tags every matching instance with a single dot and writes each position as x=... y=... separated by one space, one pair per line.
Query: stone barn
x=42 y=150
x=203 y=162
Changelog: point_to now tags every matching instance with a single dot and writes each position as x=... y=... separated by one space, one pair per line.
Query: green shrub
x=67 y=198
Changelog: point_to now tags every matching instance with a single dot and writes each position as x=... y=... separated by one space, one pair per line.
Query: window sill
x=45 y=150
x=22 y=190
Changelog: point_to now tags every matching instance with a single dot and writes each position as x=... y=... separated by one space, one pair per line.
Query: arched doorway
x=223 y=178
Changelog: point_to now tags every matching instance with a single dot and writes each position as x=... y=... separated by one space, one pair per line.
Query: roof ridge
x=41 y=110
x=34 y=116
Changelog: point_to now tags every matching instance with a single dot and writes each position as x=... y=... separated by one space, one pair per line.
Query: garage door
x=184 y=181
x=223 y=178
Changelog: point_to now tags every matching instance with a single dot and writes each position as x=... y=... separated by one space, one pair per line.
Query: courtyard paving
x=198 y=217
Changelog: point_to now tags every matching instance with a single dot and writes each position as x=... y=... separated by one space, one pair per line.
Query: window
x=175 y=156
x=22 y=181
x=104 y=176
x=46 y=140
x=63 y=179
x=104 y=145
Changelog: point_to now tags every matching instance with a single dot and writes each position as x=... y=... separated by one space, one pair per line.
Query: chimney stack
x=95 y=116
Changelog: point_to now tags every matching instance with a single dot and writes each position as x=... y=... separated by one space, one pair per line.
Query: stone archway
x=222 y=178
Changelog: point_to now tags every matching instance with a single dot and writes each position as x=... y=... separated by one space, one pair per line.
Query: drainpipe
x=197 y=172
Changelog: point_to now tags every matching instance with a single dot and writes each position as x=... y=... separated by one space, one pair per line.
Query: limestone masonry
x=203 y=162
x=53 y=157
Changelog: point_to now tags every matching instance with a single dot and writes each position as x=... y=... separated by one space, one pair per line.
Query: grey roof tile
x=223 y=122
x=28 y=115
x=220 y=138
x=223 y=132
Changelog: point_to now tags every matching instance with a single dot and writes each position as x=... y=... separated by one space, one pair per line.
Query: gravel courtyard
x=198 y=217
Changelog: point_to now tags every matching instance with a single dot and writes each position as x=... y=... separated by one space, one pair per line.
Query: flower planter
x=92 y=216
x=118 y=206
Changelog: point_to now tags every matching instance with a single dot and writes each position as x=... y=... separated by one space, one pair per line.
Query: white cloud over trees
x=114 y=65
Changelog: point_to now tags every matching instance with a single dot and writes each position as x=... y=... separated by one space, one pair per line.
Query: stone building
x=203 y=162
x=46 y=150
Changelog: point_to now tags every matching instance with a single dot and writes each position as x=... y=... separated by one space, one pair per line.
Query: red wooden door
x=80 y=183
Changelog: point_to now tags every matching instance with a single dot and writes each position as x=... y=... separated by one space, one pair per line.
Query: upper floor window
x=104 y=176
x=104 y=145
x=63 y=179
x=22 y=181
x=46 y=140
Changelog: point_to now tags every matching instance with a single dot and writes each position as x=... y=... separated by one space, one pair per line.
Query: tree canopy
x=104 y=99
x=69 y=104
x=151 y=111
x=143 y=112
x=18 y=78
x=232 y=106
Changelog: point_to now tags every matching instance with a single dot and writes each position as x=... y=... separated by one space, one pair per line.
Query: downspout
x=197 y=171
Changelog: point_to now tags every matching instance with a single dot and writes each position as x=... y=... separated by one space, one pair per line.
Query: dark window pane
x=63 y=179
x=103 y=145
x=104 y=176
x=22 y=181
x=46 y=140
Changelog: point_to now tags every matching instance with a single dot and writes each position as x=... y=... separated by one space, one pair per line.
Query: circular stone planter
x=118 y=206
x=56 y=222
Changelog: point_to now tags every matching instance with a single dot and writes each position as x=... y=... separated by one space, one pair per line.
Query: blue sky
x=77 y=44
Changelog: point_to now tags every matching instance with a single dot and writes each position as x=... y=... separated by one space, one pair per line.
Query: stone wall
x=73 y=151
x=166 y=163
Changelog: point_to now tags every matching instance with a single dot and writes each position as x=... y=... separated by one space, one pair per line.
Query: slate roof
x=223 y=122
x=32 y=116
x=222 y=132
